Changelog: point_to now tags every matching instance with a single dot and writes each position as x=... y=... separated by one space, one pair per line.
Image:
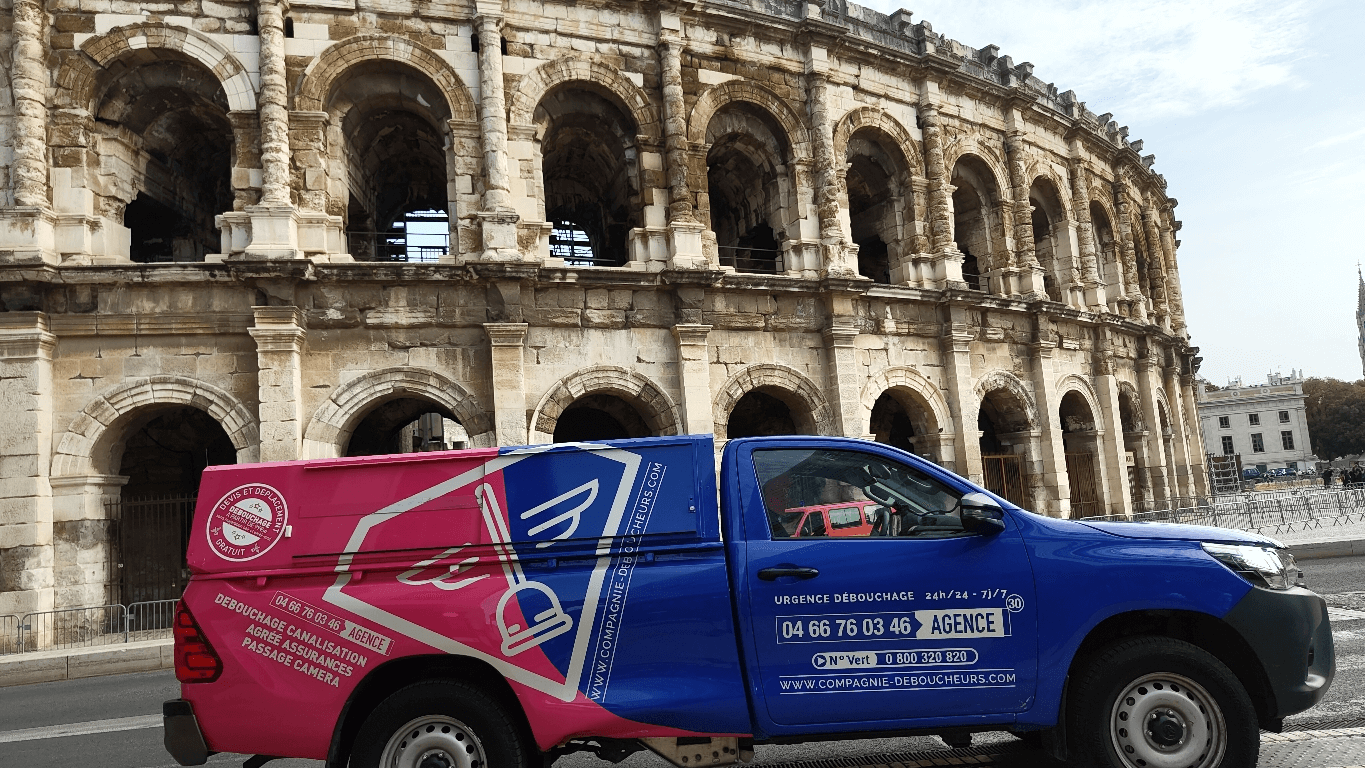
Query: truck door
x=915 y=618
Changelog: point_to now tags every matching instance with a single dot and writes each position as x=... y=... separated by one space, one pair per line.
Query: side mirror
x=980 y=514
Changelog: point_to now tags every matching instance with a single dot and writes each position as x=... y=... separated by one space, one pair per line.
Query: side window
x=860 y=495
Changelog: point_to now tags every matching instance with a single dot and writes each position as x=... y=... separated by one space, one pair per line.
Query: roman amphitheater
x=254 y=231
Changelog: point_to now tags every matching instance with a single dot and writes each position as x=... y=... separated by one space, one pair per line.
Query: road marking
x=81 y=729
x=1345 y=614
x=1326 y=733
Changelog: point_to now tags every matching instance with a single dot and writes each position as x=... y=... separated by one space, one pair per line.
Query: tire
x=441 y=724
x=1197 y=713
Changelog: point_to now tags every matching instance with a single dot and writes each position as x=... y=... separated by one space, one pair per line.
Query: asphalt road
x=46 y=705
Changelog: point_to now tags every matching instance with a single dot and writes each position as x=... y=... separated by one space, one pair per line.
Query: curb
x=1327 y=549
x=73 y=664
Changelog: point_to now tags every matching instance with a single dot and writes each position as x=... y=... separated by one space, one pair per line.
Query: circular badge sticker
x=247 y=522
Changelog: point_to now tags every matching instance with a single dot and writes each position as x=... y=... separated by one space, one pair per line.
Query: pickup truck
x=501 y=607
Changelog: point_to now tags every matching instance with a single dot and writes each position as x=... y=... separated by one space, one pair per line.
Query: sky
x=1255 y=111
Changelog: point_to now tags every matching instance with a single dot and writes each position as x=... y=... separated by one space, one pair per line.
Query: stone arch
x=1132 y=402
x=989 y=156
x=534 y=86
x=1005 y=381
x=78 y=75
x=1072 y=382
x=773 y=376
x=88 y=439
x=717 y=96
x=333 y=63
x=1061 y=187
x=1164 y=413
x=659 y=411
x=908 y=379
x=335 y=420
x=876 y=117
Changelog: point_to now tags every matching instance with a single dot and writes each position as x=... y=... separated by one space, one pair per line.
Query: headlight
x=1262 y=566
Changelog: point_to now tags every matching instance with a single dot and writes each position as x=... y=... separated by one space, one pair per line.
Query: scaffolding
x=1225 y=473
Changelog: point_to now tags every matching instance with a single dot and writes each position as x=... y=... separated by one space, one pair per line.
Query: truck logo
x=247 y=522
x=519 y=522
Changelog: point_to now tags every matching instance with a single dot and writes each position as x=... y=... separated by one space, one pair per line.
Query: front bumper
x=182 y=737
x=1292 y=638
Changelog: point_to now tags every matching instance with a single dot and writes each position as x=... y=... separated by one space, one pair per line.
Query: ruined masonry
x=238 y=232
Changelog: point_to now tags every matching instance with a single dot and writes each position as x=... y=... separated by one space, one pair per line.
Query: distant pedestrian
x=1327 y=476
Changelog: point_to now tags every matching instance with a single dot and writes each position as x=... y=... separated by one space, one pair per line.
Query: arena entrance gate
x=1003 y=476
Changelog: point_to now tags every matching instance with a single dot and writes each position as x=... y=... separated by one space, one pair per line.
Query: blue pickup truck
x=493 y=607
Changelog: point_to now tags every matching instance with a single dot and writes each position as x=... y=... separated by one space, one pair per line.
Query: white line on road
x=81 y=729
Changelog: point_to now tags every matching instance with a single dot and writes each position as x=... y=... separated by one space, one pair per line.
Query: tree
x=1336 y=416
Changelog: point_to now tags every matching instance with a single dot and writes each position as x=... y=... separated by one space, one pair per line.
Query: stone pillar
x=1198 y=451
x=274 y=221
x=28 y=228
x=274 y=105
x=1174 y=298
x=508 y=341
x=694 y=374
x=1112 y=450
x=82 y=544
x=1156 y=264
x=832 y=240
x=1025 y=257
x=1133 y=298
x=684 y=231
x=955 y=348
x=26 y=547
x=1147 y=370
x=1052 y=450
x=947 y=260
x=498 y=217
x=1095 y=298
x=29 y=83
x=843 y=377
x=280 y=335
x=1182 y=480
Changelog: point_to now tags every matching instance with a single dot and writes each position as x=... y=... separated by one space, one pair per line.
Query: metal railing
x=743 y=259
x=394 y=246
x=86 y=627
x=1268 y=512
x=9 y=634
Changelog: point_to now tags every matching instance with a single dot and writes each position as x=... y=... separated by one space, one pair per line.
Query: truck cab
x=498 y=605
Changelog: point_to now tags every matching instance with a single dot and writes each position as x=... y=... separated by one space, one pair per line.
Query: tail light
x=195 y=659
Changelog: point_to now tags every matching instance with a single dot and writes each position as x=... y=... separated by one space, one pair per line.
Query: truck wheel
x=440 y=725
x=1157 y=702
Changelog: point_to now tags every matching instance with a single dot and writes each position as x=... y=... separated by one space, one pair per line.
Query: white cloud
x=1154 y=58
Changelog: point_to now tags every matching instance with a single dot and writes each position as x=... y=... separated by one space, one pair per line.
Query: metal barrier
x=73 y=628
x=9 y=634
x=152 y=620
x=86 y=627
x=1268 y=512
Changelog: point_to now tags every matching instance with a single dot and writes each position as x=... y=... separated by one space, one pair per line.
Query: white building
x=1264 y=423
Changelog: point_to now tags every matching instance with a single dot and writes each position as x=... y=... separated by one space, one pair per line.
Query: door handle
x=800 y=572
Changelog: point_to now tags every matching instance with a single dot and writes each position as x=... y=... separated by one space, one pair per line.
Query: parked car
x=502 y=607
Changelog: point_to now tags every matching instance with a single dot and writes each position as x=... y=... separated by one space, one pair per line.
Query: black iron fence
x=395 y=246
x=86 y=627
x=148 y=537
x=751 y=259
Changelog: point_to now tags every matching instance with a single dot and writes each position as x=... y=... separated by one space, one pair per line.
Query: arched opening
x=165 y=140
x=976 y=220
x=1049 y=237
x=1005 y=427
x=599 y=416
x=163 y=452
x=745 y=173
x=1081 y=445
x=1107 y=262
x=394 y=132
x=406 y=425
x=1141 y=253
x=590 y=170
x=901 y=419
x=768 y=411
x=1168 y=451
x=877 y=184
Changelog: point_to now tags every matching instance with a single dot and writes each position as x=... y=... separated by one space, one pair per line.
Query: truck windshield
x=904 y=500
